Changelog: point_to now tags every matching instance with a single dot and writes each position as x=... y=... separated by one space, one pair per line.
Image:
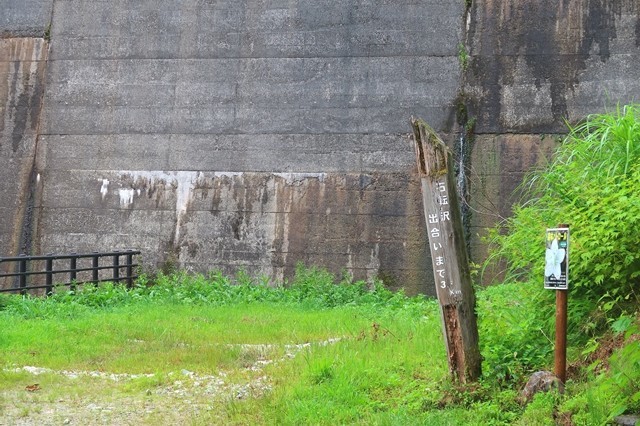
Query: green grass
x=203 y=350
x=350 y=352
x=159 y=338
x=386 y=368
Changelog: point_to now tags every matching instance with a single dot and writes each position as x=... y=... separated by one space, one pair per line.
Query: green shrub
x=318 y=288
x=613 y=391
x=540 y=412
x=311 y=287
x=593 y=184
x=515 y=324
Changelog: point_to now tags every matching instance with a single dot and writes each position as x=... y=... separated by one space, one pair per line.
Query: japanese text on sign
x=556 y=268
x=435 y=222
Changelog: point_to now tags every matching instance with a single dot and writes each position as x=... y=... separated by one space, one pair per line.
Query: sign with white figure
x=556 y=267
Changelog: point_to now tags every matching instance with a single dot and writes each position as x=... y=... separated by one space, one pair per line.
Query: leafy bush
x=540 y=412
x=593 y=184
x=515 y=324
x=318 y=288
x=311 y=287
x=613 y=391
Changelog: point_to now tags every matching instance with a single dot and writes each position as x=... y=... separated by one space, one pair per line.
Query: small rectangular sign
x=556 y=267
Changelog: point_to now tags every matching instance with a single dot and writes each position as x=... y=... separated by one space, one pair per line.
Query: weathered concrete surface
x=241 y=67
x=356 y=95
x=498 y=165
x=256 y=29
x=361 y=224
x=246 y=134
x=277 y=109
x=24 y=18
x=536 y=63
x=22 y=69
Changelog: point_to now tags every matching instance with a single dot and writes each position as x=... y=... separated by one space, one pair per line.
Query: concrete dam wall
x=218 y=134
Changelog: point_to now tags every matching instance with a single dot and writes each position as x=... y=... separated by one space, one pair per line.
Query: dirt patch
x=43 y=396
x=87 y=398
x=607 y=345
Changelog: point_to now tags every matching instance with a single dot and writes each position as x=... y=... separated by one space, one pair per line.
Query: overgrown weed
x=591 y=183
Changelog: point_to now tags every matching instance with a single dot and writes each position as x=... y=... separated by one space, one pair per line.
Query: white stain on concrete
x=135 y=183
x=182 y=182
x=373 y=267
x=285 y=234
x=186 y=182
x=126 y=196
x=349 y=261
x=104 y=189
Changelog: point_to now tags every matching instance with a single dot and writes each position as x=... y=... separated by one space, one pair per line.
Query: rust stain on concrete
x=366 y=225
x=22 y=70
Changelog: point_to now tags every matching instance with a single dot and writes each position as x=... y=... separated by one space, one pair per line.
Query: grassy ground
x=196 y=350
x=248 y=363
x=252 y=355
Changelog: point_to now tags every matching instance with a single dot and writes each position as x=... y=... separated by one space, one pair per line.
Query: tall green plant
x=592 y=183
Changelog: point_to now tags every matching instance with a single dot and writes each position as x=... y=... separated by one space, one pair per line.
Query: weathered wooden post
x=448 y=253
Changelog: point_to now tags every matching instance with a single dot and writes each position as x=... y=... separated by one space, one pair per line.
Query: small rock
x=66 y=421
x=541 y=381
x=628 y=420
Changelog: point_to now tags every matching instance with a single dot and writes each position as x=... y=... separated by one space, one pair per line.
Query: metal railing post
x=116 y=268
x=49 y=276
x=94 y=272
x=129 y=269
x=72 y=271
x=23 y=275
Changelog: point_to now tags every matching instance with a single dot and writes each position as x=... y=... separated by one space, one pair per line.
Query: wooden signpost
x=448 y=253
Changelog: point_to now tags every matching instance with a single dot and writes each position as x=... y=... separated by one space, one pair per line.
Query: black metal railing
x=23 y=273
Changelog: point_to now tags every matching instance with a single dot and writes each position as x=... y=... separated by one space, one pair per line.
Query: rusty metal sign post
x=448 y=253
x=556 y=277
